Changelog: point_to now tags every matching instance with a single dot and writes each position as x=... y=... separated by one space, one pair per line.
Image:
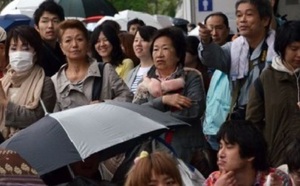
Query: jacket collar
x=63 y=82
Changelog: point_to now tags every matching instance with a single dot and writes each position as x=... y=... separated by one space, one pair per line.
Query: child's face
x=162 y=180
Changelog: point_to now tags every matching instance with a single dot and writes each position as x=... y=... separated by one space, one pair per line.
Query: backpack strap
x=97 y=84
x=240 y=83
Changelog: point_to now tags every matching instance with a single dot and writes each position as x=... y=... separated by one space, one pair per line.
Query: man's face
x=229 y=158
x=133 y=28
x=249 y=22
x=219 y=31
x=48 y=26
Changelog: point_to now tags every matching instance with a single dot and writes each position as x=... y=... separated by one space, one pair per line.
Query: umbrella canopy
x=126 y=15
x=25 y=7
x=11 y=20
x=73 y=135
x=87 y=8
x=147 y=18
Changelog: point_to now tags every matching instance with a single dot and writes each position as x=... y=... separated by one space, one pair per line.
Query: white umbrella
x=122 y=22
x=26 y=7
x=164 y=21
x=194 y=32
x=126 y=15
x=147 y=18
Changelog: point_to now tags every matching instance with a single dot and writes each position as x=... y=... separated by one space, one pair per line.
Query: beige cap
x=2 y=34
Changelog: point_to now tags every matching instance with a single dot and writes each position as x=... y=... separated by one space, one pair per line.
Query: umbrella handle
x=44 y=107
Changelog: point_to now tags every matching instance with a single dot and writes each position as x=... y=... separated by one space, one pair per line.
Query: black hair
x=135 y=21
x=178 y=40
x=192 y=25
x=263 y=7
x=147 y=32
x=51 y=7
x=26 y=34
x=285 y=35
x=192 y=43
x=113 y=24
x=292 y=158
x=72 y=24
x=110 y=33
x=250 y=140
x=220 y=14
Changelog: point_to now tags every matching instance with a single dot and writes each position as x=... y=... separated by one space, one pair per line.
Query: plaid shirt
x=259 y=180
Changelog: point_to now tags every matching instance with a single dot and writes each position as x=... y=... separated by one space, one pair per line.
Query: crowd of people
x=240 y=95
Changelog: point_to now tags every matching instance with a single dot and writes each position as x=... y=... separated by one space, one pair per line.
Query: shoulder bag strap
x=97 y=84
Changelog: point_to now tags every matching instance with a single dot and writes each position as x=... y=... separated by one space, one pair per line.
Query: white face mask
x=21 y=61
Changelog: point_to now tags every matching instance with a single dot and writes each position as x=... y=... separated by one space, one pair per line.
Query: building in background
x=196 y=10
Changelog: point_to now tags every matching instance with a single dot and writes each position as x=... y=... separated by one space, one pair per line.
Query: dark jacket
x=274 y=108
x=53 y=59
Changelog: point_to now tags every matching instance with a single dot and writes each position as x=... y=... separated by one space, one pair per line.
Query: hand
x=12 y=131
x=3 y=98
x=226 y=179
x=273 y=180
x=204 y=34
x=177 y=100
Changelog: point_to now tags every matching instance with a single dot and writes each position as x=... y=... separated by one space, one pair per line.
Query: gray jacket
x=214 y=56
x=73 y=95
x=186 y=139
x=20 y=117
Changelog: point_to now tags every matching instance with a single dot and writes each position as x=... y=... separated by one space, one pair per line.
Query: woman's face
x=164 y=55
x=141 y=47
x=104 y=47
x=292 y=55
x=74 y=44
x=162 y=180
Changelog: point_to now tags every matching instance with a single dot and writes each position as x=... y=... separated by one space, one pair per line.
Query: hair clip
x=143 y=154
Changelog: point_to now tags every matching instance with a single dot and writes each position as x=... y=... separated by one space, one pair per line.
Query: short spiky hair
x=72 y=24
x=51 y=7
x=250 y=140
x=264 y=7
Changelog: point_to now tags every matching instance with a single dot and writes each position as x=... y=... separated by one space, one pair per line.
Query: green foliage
x=164 y=7
x=3 y=3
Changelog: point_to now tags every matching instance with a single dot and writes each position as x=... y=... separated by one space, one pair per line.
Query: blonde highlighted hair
x=160 y=163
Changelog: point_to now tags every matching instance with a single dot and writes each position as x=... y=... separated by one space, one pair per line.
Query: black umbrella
x=87 y=8
x=72 y=135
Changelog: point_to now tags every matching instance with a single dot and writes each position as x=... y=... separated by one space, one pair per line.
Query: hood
x=277 y=64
